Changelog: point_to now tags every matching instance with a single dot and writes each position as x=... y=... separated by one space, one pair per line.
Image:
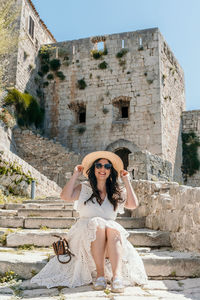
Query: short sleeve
x=85 y=193
x=120 y=208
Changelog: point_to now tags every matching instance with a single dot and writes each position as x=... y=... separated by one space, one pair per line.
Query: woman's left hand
x=124 y=174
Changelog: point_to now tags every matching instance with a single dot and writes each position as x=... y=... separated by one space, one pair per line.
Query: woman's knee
x=112 y=234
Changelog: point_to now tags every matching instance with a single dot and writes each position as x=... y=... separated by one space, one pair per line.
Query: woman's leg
x=114 y=249
x=98 y=250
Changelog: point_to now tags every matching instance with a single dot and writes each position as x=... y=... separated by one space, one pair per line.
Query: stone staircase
x=33 y=223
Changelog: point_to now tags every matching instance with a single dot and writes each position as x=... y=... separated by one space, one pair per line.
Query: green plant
x=173 y=274
x=60 y=75
x=40 y=73
x=81 y=84
x=44 y=53
x=55 y=64
x=50 y=76
x=140 y=48
x=103 y=65
x=28 y=110
x=96 y=54
x=122 y=62
x=44 y=227
x=44 y=68
x=150 y=81
x=9 y=276
x=81 y=129
x=90 y=76
x=121 y=53
x=26 y=247
x=3 y=239
x=45 y=84
x=191 y=163
x=33 y=272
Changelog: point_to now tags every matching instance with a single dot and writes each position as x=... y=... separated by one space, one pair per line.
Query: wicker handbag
x=61 y=247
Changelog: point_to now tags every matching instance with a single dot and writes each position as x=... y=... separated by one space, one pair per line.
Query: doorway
x=123 y=154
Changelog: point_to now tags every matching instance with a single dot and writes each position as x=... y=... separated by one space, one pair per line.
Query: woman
x=99 y=243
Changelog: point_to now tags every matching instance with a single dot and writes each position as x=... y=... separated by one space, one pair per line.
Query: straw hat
x=112 y=157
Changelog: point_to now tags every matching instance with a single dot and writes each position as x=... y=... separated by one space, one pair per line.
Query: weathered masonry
x=121 y=92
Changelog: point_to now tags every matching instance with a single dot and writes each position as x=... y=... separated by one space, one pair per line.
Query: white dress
x=81 y=269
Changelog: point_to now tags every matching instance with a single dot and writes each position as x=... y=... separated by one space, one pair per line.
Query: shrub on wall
x=121 y=53
x=55 y=64
x=103 y=65
x=191 y=163
x=60 y=75
x=81 y=84
x=27 y=109
x=50 y=76
x=96 y=54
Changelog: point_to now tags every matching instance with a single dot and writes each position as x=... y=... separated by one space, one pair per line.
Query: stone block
x=13 y=222
x=38 y=222
x=150 y=238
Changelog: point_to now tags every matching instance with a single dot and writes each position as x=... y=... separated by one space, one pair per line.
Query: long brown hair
x=112 y=187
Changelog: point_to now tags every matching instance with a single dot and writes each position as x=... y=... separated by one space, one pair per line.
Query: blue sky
x=178 y=21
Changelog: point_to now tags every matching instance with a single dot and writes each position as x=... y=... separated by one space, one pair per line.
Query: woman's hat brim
x=112 y=157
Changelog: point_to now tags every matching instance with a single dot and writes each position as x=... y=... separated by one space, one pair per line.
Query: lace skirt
x=81 y=269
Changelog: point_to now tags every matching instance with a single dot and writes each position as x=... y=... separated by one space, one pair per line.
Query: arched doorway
x=123 y=154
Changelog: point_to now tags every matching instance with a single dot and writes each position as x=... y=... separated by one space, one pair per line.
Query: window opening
x=82 y=116
x=100 y=46
x=31 y=27
x=124 y=112
x=122 y=43
x=36 y=45
x=73 y=50
x=140 y=41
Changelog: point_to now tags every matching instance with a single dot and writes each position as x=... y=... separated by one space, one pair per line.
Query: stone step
x=157 y=263
x=60 y=222
x=46 y=201
x=49 y=212
x=44 y=238
x=17 y=206
x=10 y=212
x=44 y=212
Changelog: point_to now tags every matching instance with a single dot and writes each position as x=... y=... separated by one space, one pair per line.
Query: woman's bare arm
x=70 y=191
x=132 y=200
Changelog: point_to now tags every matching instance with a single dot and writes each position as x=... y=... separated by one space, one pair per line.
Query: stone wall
x=144 y=165
x=16 y=176
x=171 y=207
x=191 y=123
x=140 y=80
x=29 y=45
x=21 y=66
x=172 y=105
x=132 y=80
x=8 y=61
x=6 y=138
x=47 y=156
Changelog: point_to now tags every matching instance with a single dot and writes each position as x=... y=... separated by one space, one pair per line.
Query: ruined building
x=119 y=92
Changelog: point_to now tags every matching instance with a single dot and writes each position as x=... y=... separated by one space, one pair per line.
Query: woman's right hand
x=78 y=170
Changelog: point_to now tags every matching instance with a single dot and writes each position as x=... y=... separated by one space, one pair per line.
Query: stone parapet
x=16 y=176
x=145 y=165
x=171 y=207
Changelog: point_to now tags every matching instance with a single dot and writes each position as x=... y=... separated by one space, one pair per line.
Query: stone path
x=155 y=290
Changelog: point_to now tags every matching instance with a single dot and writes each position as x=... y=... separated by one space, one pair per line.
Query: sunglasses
x=106 y=166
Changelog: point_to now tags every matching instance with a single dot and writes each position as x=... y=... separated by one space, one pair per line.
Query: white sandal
x=117 y=285
x=99 y=284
